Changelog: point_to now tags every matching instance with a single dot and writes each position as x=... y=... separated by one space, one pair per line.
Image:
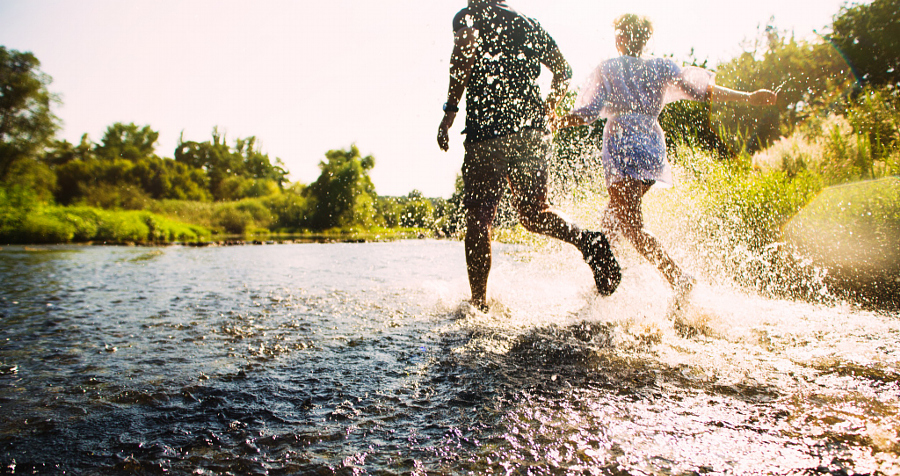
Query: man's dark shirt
x=502 y=95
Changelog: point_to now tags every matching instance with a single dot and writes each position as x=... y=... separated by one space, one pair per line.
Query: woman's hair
x=635 y=31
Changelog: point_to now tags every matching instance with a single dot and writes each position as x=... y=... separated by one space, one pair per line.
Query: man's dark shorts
x=521 y=158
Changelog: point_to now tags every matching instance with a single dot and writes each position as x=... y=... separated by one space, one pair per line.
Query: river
x=364 y=359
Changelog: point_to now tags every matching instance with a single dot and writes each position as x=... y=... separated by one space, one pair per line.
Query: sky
x=306 y=77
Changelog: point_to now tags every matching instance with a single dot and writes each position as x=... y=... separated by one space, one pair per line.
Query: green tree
x=416 y=211
x=289 y=208
x=26 y=122
x=122 y=171
x=343 y=195
x=450 y=215
x=62 y=152
x=810 y=78
x=127 y=141
x=869 y=36
x=234 y=173
x=388 y=210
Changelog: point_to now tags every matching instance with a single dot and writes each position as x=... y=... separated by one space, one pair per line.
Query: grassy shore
x=52 y=224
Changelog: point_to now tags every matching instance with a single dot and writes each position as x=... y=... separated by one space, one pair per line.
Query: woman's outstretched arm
x=760 y=97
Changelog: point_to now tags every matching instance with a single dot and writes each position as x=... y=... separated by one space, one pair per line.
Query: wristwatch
x=450 y=107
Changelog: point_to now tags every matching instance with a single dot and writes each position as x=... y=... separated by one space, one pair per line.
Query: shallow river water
x=364 y=359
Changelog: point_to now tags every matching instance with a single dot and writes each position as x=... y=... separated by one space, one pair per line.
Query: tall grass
x=833 y=150
x=734 y=215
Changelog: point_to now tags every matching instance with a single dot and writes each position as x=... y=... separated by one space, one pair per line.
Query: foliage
x=411 y=211
x=59 y=224
x=283 y=212
x=289 y=211
x=343 y=196
x=737 y=214
x=16 y=203
x=754 y=206
x=26 y=122
x=809 y=77
x=869 y=36
x=863 y=142
x=691 y=123
x=121 y=183
x=450 y=217
x=233 y=172
x=36 y=176
x=128 y=142
x=233 y=220
x=744 y=209
x=876 y=114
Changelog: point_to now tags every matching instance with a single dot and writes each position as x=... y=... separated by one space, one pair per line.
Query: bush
x=198 y=213
x=121 y=227
x=831 y=148
x=43 y=228
x=57 y=224
x=16 y=202
x=107 y=196
x=83 y=221
x=260 y=214
x=289 y=210
x=232 y=220
x=736 y=216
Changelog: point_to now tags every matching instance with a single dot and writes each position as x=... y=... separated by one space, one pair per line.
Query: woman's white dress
x=631 y=92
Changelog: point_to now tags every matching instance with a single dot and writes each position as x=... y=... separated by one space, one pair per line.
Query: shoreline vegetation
x=837 y=122
x=51 y=225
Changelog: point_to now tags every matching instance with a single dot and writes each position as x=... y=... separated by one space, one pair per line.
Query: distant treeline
x=76 y=193
x=838 y=112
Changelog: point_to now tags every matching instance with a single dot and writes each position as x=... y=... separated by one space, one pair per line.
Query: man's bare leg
x=478 y=252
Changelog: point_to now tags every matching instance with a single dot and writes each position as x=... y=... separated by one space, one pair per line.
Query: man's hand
x=443 y=137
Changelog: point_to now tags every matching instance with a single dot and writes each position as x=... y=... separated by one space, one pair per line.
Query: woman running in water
x=630 y=92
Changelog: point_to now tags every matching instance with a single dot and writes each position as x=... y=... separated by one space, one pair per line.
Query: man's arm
x=460 y=68
x=562 y=73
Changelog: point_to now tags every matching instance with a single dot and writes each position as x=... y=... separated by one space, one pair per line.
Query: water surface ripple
x=361 y=359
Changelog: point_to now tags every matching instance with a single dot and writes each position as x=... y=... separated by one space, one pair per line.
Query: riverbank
x=53 y=224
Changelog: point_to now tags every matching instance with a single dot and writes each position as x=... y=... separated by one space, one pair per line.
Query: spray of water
x=791 y=376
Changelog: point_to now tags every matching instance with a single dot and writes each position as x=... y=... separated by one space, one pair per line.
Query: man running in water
x=496 y=60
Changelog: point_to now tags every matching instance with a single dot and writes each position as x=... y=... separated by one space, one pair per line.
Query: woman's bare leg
x=625 y=199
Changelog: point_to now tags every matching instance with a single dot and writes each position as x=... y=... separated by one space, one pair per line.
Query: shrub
x=43 y=228
x=736 y=217
x=121 y=227
x=232 y=220
x=260 y=214
x=84 y=221
x=289 y=210
x=198 y=213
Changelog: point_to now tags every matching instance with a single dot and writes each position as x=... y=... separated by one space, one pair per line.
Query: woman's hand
x=563 y=122
x=553 y=121
x=763 y=97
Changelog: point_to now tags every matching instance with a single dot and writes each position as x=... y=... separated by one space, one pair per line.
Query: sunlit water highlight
x=361 y=359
